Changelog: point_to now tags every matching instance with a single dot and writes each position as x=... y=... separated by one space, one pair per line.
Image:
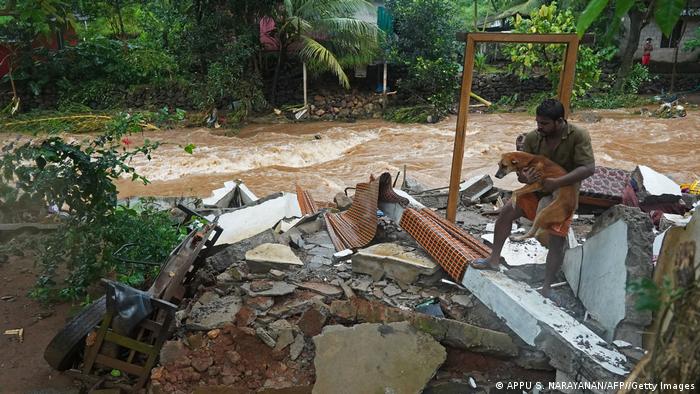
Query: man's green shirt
x=573 y=151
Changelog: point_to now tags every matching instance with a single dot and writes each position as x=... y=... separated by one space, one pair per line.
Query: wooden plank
x=129 y=343
x=151 y=326
x=92 y=351
x=120 y=365
x=517 y=37
x=566 y=79
x=461 y=129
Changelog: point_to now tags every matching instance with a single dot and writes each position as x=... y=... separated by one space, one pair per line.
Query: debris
x=342 y=255
x=214 y=313
x=277 y=289
x=312 y=321
x=265 y=337
x=355 y=227
x=19 y=332
x=297 y=347
x=387 y=353
x=392 y=290
x=267 y=256
x=234 y=194
x=321 y=288
x=394 y=261
x=470 y=192
x=342 y=201
x=654 y=187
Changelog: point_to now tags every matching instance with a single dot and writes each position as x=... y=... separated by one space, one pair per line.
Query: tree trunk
x=627 y=58
x=275 y=78
x=675 y=59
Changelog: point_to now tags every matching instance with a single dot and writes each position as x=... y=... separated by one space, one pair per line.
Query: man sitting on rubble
x=570 y=147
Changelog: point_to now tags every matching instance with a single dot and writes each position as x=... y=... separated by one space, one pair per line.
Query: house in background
x=665 y=47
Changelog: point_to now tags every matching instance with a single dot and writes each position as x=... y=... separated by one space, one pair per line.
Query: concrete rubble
x=295 y=314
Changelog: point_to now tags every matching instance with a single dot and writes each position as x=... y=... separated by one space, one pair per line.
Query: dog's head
x=512 y=161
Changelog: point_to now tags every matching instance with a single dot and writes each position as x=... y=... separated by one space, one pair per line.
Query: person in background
x=646 y=56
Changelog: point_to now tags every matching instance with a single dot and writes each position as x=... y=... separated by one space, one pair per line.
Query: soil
x=22 y=364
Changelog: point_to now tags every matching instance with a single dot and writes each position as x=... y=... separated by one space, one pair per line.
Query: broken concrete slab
x=669 y=220
x=475 y=187
x=212 y=311
x=322 y=288
x=269 y=256
x=220 y=261
x=654 y=187
x=296 y=347
x=395 y=358
x=450 y=332
x=572 y=347
x=312 y=321
x=263 y=214
x=343 y=255
x=528 y=251
x=277 y=289
x=232 y=190
x=395 y=261
x=618 y=252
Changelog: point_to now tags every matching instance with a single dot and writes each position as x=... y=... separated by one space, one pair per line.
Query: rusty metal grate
x=449 y=245
x=306 y=202
x=355 y=227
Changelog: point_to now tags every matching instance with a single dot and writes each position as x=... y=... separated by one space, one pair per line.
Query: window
x=672 y=42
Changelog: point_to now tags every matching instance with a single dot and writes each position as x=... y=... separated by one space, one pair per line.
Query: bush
x=427 y=49
x=76 y=178
x=638 y=76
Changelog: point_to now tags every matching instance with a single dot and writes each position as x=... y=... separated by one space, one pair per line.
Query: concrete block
x=263 y=214
x=231 y=254
x=394 y=261
x=617 y=252
x=475 y=187
x=571 y=346
x=524 y=252
x=655 y=187
x=221 y=198
x=212 y=311
x=394 y=358
x=269 y=256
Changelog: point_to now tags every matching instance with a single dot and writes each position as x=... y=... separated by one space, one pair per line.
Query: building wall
x=665 y=54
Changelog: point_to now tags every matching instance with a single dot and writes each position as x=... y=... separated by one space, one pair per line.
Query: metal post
x=461 y=129
x=384 y=85
x=306 y=100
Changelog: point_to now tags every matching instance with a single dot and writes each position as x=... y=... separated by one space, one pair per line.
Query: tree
x=426 y=47
x=666 y=14
x=548 y=57
x=328 y=35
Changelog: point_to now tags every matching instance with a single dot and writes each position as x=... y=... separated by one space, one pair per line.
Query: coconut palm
x=326 y=35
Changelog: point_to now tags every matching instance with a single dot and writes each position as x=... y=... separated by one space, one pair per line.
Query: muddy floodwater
x=326 y=157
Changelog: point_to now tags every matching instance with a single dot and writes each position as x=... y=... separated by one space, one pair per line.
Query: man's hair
x=551 y=108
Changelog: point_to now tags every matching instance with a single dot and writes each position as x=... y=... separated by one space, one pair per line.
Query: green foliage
x=427 y=49
x=547 y=58
x=666 y=13
x=610 y=100
x=413 y=114
x=76 y=178
x=86 y=250
x=425 y=28
x=638 y=76
x=347 y=40
x=652 y=297
x=435 y=82
x=694 y=42
x=229 y=80
x=77 y=175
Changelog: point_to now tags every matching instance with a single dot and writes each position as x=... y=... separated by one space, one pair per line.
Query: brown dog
x=564 y=203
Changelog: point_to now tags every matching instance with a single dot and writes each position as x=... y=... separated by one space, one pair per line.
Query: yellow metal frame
x=566 y=83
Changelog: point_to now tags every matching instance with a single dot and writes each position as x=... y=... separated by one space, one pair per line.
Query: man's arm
x=577 y=175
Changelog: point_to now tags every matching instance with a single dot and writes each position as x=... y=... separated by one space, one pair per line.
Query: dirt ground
x=22 y=366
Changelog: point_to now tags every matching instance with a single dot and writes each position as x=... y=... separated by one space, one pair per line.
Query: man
x=646 y=56
x=570 y=147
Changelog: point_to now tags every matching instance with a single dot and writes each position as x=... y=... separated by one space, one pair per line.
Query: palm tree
x=326 y=34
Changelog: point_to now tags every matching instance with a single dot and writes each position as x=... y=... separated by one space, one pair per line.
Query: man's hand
x=549 y=185
x=528 y=175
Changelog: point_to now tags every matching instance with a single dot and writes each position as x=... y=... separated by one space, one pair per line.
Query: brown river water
x=326 y=157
